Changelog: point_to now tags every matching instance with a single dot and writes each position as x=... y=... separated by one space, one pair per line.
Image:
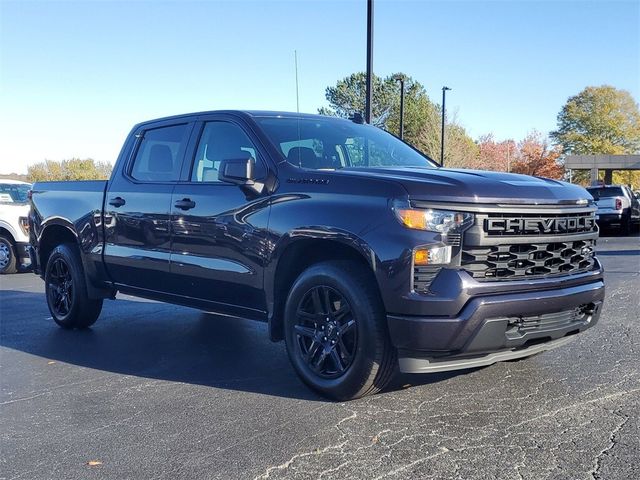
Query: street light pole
x=367 y=113
x=444 y=97
x=400 y=78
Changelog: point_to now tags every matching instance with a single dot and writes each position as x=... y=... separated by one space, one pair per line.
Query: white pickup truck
x=617 y=206
x=14 y=225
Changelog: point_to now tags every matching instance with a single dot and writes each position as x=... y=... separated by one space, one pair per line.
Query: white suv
x=14 y=225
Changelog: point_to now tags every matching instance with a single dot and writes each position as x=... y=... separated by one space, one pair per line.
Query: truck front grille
x=528 y=260
x=523 y=224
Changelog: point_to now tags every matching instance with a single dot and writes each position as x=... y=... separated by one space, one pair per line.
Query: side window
x=159 y=157
x=222 y=141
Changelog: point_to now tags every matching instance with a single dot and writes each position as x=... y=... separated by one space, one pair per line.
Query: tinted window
x=335 y=143
x=13 y=192
x=159 y=156
x=605 y=192
x=222 y=141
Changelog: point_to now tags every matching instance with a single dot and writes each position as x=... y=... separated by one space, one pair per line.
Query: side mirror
x=238 y=171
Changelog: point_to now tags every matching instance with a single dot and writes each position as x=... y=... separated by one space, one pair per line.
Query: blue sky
x=76 y=75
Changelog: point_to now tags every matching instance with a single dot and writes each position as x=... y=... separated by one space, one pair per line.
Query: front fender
x=332 y=234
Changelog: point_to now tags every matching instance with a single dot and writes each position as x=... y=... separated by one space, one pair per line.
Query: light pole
x=400 y=78
x=444 y=97
x=367 y=113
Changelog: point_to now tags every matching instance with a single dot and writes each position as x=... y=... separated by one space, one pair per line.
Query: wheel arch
x=6 y=229
x=52 y=235
x=5 y=232
x=298 y=254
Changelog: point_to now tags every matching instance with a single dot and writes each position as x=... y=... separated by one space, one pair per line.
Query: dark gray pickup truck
x=360 y=252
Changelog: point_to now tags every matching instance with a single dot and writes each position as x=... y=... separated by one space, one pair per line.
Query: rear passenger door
x=138 y=207
x=220 y=234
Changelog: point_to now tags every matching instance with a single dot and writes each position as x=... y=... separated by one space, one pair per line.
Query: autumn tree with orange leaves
x=493 y=155
x=537 y=157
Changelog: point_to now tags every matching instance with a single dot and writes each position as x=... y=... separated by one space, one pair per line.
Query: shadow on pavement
x=618 y=252
x=613 y=232
x=164 y=342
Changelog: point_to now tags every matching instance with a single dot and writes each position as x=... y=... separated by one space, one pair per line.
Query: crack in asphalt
x=595 y=472
x=573 y=406
x=286 y=464
x=406 y=467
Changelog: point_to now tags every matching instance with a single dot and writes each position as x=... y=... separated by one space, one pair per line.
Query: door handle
x=117 y=202
x=185 y=204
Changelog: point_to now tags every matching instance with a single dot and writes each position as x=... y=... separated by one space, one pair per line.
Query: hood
x=20 y=209
x=476 y=186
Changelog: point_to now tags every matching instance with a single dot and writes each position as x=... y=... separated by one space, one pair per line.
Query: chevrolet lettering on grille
x=532 y=226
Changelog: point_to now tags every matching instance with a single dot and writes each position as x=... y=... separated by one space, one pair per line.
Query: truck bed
x=71 y=203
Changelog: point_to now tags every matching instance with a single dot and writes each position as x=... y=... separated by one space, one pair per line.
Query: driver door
x=219 y=232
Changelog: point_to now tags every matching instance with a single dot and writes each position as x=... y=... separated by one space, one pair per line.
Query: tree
x=460 y=150
x=421 y=116
x=72 y=169
x=599 y=120
x=536 y=157
x=496 y=156
x=349 y=97
x=627 y=177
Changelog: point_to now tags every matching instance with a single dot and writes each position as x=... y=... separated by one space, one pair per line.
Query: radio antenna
x=295 y=56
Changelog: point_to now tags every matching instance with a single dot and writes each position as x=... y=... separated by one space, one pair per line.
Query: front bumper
x=495 y=316
x=434 y=365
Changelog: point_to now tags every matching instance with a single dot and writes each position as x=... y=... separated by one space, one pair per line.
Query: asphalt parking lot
x=158 y=391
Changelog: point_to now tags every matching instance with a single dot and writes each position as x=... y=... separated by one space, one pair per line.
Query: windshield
x=14 y=192
x=605 y=192
x=328 y=143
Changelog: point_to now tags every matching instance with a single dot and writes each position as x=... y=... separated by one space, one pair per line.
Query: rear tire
x=66 y=289
x=8 y=258
x=336 y=331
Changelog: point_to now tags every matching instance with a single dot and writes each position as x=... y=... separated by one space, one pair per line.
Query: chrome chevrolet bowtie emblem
x=586 y=252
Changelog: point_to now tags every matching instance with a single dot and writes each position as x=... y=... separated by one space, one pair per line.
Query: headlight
x=439 y=221
x=24 y=225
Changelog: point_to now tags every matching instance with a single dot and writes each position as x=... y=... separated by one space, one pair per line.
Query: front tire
x=66 y=290
x=336 y=333
x=8 y=258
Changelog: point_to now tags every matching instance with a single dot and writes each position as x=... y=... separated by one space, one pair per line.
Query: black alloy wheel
x=60 y=290
x=336 y=330
x=326 y=332
x=66 y=289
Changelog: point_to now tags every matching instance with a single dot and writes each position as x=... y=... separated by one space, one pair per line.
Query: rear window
x=605 y=192
x=159 y=157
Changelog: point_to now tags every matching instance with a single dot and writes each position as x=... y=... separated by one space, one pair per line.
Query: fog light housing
x=432 y=256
